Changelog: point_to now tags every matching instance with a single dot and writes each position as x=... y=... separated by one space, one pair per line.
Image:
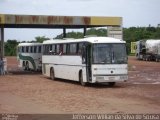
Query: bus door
x=87 y=59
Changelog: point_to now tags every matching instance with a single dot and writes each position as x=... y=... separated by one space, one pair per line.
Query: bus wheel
x=81 y=79
x=27 y=66
x=157 y=60
x=52 y=74
x=144 y=59
x=111 y=84
x=23 y=65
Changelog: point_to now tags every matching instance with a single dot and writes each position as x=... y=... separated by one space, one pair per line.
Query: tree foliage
x=70 y=35
x=134 y=34
x=131 y=34
x=40 y=39
x=97 y=32
x=92 y=31
x=10 y=47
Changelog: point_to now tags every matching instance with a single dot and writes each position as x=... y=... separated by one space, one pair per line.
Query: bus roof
x=88 y=39
x=29 y=44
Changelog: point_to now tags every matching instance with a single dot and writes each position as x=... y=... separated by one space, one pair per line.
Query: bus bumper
x=102 y=79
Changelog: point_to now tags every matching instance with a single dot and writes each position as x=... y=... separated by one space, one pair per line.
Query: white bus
x=29 y=56
x=87 y=60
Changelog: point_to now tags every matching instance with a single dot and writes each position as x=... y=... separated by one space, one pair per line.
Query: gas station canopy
x=62 y=22
x=43 y=21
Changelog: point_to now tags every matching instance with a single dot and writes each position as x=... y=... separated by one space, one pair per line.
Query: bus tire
x=143 y=58
x=23 y=65
x=81 y=79
x=111 y=84
x=52 y=76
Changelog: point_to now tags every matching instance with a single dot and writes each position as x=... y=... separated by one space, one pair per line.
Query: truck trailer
x=148 y=50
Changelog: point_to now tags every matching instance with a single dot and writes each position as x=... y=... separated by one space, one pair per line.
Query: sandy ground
x=30 y=92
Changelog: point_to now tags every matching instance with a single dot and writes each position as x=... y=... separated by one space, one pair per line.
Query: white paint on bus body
x=69 y=66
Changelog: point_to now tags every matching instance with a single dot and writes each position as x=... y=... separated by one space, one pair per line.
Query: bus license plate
x=111 y=78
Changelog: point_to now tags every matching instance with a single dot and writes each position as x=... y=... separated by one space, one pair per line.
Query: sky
x=134 y=12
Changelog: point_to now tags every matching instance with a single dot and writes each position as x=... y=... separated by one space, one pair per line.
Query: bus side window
x=31 y=49
x=35 y=49
x=22 y=49
x=61 y=49
x=44 y=49
x=73 y=49
x=65 y=49
x=50 y=50
x=53 y=49
x=57 y=49
x=79 y=48
x=27 y=49
x=47 y=49
x=39 y=49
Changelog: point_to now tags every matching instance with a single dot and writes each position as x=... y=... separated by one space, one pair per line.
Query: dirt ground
x=30 y=92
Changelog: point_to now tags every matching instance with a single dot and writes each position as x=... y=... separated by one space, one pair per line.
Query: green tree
x=131 y=34
x=75 y=35
x=97 y=32
x=40 y=39
x=10 y=47
x=92 y=31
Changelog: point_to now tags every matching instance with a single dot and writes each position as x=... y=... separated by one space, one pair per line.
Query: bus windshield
x=111 y=53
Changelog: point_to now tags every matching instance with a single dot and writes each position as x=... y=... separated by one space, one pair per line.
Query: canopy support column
x=84 y=31
x=1 y=41
x=64 y=32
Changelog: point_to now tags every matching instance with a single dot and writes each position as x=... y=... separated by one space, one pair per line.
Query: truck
x=148 y=50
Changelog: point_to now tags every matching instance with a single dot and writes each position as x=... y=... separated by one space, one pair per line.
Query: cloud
x=80 y=0
x=134 y=12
